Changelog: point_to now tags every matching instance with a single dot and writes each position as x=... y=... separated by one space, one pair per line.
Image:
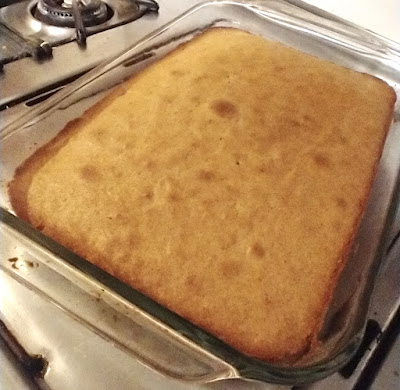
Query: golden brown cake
x=226 y=181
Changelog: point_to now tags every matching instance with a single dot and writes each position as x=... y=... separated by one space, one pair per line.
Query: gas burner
x=53 y=50
x=61 y=13
x=53 y=21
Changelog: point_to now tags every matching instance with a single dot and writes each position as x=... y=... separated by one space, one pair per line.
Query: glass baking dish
x=142 y=327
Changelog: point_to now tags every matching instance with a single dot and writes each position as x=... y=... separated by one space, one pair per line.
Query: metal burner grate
x=61 y=13
x=32 y=29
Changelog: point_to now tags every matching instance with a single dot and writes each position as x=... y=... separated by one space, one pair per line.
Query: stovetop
x=52 y=54
x=69 y=345
x=52 y=22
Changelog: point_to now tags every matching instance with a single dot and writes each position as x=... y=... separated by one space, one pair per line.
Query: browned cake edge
x=315 y=343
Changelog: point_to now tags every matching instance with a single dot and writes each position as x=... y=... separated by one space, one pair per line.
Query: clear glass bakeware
x=155 y=335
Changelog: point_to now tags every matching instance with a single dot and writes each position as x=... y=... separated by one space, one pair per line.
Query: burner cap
x=60 y=13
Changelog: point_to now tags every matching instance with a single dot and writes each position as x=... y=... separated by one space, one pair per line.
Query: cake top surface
x=225 y=181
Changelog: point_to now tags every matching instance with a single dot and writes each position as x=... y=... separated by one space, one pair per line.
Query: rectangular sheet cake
x=226 y=182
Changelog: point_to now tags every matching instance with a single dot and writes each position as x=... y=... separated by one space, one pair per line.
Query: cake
x=226 y=181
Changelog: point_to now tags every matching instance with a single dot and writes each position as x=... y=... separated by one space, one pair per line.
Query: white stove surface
x=379 y=16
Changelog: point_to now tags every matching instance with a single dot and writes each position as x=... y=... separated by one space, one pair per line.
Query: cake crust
x=226 y=181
